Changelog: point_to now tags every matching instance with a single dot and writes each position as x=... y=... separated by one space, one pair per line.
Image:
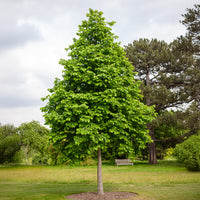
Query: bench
x=123 y=162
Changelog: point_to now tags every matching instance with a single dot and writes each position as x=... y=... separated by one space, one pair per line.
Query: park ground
x=167 y=180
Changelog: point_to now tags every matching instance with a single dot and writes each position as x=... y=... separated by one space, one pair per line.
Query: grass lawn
x=167 y=180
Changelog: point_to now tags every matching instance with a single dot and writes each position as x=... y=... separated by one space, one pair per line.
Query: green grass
x=164 y=181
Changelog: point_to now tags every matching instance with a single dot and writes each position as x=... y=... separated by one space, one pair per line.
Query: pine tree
x=165 y=70
x=192 y=38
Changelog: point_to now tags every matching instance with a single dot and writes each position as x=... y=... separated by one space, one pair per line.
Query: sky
x=35 y=33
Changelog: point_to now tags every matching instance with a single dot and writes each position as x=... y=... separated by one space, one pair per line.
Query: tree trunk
x=99 y=174
x=152 y=148
x=148 y=84
x=26 y=155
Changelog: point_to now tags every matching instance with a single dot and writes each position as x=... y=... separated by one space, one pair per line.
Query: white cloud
x=20 y=115
x=34 y=34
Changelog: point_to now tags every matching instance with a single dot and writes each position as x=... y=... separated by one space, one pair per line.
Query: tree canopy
x=34 y=136
x=192 y=23
x=97 y=101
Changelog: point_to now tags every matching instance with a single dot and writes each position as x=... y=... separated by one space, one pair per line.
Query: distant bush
x=40 y=160
x=9 y=146
x=188 y=153
x=10 y=143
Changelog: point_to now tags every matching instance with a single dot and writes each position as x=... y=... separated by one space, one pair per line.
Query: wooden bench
x=123 y=162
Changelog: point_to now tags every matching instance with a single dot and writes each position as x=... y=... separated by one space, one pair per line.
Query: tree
x=189 y=47
x=34 y=137
x=186 y=48
x=10 y=142
x=167 y=72
x=97 y=102
x=192 y=23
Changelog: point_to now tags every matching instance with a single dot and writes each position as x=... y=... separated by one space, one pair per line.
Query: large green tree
x=97 y=103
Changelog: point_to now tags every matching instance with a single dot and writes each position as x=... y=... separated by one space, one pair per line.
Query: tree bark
x=26 y=155
x=148 y=84
x=152 y=148
x=99 y=174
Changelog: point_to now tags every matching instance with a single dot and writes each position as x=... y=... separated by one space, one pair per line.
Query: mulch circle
x=106 y=196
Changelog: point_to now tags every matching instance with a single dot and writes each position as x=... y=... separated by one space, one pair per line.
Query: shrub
x=188 y=153
x=9 y=146
x=40 y=160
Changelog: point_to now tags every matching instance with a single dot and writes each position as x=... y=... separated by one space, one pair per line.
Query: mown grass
x=156 y=182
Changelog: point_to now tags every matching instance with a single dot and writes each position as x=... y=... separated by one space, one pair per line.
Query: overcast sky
x=35 y=33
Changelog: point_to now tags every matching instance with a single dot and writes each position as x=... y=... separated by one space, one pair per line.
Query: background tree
x=189 y=46
x=34 y=138
x=185 y=49
x=10 y=142
x=164 y=72
x=192 y=23
x=96 y=104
